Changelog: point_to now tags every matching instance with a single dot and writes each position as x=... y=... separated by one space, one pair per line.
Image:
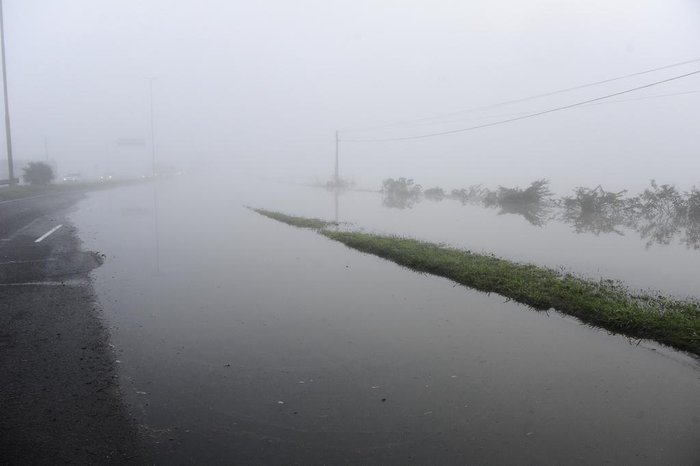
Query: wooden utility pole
x=8 y=137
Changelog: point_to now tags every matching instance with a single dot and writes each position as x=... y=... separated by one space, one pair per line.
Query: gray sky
x=263 y=85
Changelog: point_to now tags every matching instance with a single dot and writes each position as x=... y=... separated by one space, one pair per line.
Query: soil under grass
x=604 y=303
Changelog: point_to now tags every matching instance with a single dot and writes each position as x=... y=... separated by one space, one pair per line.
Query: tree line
x=658 y=214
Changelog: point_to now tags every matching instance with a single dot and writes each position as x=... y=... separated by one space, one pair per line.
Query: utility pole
x=337 y=148
x=153 y=137
x=8 y=137
x=46 y=148
x=155 y=181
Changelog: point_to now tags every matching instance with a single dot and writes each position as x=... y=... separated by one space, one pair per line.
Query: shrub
x=38 y=173
x=535 y=193
x=470 y=194
x=694 y=205
x=400 y=193
x=434 y=194
x=595 y=210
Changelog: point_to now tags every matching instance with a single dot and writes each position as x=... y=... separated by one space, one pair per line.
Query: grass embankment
x=18 y=192
x=602 y=303
x=301 y=222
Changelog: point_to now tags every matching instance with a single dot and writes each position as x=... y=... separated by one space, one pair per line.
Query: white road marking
x=45 y=235
x=13 y=235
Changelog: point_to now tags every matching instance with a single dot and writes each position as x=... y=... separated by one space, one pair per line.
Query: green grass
x=301 y=222
x=604 y=303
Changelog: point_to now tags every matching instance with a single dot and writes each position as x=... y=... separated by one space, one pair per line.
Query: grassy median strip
x=604 y=303
x=301 y=222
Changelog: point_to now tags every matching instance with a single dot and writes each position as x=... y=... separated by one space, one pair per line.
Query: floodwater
x=670 y=269
x=243 y=340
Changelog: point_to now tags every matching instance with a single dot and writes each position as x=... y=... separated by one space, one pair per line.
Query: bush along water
x=660 y=215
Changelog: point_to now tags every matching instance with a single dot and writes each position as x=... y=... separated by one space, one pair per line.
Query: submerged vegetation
x=595 y=211
x=400 y=193
x=660 y=214
x=604 y=303
x=434 y=194
x=471 y=195
x=537 y=193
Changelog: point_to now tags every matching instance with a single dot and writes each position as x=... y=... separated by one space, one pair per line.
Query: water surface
x=244 y=340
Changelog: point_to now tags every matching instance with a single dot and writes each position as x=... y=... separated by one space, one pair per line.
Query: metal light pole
x=8 y=137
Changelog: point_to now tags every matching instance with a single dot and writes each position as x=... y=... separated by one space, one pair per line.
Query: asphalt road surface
x=58 y=389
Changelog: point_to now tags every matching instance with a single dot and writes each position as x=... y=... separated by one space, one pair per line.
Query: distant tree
x=434 y=194
x=472 y=194
x=694 y=205
x=661 y=212
x=38 y=173
x=596 y=210
x=595 y=201
x=530 y=202
x=663 y=200
x=401 y=193
x=535 y=193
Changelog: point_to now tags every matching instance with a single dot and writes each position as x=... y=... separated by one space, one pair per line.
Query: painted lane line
x=45 y=235
x=13 y=235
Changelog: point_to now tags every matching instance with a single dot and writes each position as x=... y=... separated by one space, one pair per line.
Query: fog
x=492 y=277
x=261 y=87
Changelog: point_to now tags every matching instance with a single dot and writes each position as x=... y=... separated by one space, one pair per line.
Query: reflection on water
x=595 y=211
x=535 y=213
x=662 y=214
x=259 y=343
x=691 y=238
x=532 y=203
x=471 y=195
x=659 y=215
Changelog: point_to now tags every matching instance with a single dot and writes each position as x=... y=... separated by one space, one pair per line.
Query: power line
x=532 y=97
x=530 y=115
x=647 y=97
x=609 y=102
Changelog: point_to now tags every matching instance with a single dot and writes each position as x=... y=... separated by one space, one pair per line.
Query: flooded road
x=670 y=269
x=242 y=340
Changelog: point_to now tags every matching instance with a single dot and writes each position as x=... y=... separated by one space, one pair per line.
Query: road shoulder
x=59 y=388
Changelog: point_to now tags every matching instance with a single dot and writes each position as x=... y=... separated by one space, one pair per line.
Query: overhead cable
x=529 y=115
x=532 y=97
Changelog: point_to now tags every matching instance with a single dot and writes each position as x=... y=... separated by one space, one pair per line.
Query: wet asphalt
x=58 y=383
